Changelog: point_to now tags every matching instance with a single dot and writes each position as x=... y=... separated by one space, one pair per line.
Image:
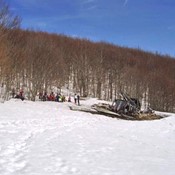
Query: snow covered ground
x=46 y=138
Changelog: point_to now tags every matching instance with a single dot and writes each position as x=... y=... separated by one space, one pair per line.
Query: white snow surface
x=47 y=138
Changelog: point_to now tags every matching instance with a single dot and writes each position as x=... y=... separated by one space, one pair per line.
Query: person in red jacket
x=52 y=97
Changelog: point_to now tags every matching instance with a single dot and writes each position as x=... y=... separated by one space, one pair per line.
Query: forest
x=37 y=61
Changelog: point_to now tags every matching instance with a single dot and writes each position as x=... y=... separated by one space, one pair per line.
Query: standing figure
x=13 y=93
x=21 y=95
x=63 y=98
x=75 y=98
x=69 y=99
x=78 y=99
x=40 y=95
x=52 y=96
x=57 y=98
x=44 y=98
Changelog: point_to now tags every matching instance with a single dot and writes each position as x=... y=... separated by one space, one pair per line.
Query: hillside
x=37 y=62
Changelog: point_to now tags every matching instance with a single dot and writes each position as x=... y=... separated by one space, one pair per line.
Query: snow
x=47 y=138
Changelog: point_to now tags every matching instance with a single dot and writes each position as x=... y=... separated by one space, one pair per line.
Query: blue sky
x=145 y=24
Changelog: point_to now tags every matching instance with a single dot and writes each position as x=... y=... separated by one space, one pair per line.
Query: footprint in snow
x=60 y=167
x=12 y=157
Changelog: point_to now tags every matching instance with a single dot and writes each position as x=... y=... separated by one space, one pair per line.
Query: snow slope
x=46 y=138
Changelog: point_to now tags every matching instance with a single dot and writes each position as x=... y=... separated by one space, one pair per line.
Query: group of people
x=19 y=95
x=58 y=97
x=52 y=97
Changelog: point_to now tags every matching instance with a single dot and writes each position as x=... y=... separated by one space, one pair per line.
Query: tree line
x=39 y=61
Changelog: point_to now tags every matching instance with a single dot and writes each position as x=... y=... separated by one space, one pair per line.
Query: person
x=13 y=93
x=44 y=98
x=63 y=98
x=69 y=99
x=75 y=98
x=78 y=99
x=52 y=96
x=40 y=95
x=57 y=98
x=20 y=95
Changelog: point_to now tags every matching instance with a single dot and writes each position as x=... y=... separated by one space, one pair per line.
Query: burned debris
x=126 y=108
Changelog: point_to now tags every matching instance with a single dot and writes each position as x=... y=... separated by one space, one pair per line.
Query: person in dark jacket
x=44 y=98
x=57 y=98
x=69 y=99
x=78 y=99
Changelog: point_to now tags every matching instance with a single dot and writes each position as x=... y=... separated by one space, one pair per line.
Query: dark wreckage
x=124 y=108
